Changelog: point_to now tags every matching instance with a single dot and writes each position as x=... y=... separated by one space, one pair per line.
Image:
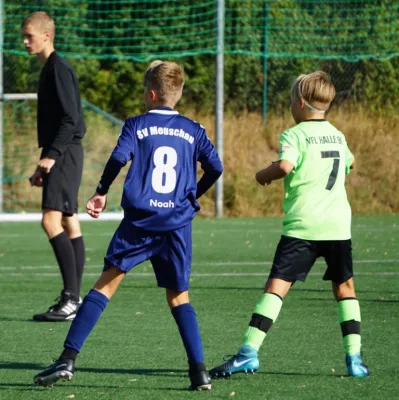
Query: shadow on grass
x=15 y=319
x=291 y=373
x=329 y=291
x=259 y=289
x=32 y=387
x=132 y=371
x=360 y=300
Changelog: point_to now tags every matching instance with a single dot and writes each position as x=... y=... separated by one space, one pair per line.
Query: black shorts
x=61 y=185
x=295 y=257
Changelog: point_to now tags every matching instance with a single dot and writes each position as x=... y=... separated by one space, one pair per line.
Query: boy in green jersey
x=313 y=160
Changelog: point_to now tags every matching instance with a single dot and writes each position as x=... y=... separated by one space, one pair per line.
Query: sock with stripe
x=349 y=319
x=264 y=315
x=86 y=318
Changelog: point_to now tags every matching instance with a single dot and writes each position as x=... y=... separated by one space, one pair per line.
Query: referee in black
x=61 y=128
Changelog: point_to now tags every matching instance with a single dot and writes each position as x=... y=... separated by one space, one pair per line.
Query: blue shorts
x=170 y=253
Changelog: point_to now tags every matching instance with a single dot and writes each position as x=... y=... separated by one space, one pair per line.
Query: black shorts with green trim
x=61 y=185
x=294 y=259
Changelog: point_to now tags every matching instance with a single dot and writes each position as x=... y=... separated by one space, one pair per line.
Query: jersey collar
x=164 y=111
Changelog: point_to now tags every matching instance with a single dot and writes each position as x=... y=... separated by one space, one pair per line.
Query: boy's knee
x=51 y=223
x=344 y=290
x=176 y=298
x=71 y=226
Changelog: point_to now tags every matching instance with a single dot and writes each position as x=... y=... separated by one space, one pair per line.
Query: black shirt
x=59 y=115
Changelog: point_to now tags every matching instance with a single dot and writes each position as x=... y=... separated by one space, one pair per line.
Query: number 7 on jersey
x=333 y=176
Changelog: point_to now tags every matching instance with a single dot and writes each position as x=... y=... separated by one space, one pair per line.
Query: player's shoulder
x=196 y=129
x=294 y=132
x=131 y=121
x=60 y=63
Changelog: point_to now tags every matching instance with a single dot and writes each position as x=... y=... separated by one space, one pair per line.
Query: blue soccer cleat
x=245 y=361
x=355 y=366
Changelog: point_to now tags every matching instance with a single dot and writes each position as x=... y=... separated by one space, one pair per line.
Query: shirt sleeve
x=289 y=148
x=120 y=156
x=210 y=164
x=66 y=92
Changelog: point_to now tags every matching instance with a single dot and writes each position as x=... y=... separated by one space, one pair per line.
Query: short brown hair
x=167 y=78
x=41 y=19
x=313 y=87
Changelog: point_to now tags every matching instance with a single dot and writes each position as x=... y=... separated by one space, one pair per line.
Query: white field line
x=203 y=264
x=196 y=275
x=210 y=232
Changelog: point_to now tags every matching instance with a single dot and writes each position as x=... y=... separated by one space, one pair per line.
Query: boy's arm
x=288 y=160
x=66 y=93
x=276 y=170
x=122 y=153
x=210 y=164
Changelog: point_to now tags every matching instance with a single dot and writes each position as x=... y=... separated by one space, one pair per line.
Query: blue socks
x=94 y=304
x=186 y=320
x=88 y=314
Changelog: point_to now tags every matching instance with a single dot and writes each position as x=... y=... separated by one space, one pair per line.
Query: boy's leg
x=264 y=315
x=72 y=176
x=71 y=226
x=172 y=267
x=338 y=256
x=67 y=306
x=292 y=261
x=87 y=316
x=350 y=320
x=186 y=320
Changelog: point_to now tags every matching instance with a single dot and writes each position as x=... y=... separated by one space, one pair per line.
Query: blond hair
x=42 y=20
x=315 y=87
x=167 y=78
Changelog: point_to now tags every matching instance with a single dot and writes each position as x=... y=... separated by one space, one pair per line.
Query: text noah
x=162 y=204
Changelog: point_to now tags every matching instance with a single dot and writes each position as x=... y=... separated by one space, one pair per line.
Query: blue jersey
x=160 y=189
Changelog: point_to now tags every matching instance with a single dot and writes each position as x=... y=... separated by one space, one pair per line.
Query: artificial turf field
x=135 y=350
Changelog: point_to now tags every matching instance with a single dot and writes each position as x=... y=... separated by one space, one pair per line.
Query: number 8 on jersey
x=164 y=174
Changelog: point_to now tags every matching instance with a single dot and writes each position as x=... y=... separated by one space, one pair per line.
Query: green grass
x=135 y=350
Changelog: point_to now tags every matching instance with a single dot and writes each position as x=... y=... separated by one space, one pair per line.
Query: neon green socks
x=349 y=319
x=263 y=317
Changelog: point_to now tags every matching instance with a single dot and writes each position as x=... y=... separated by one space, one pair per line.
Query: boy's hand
x=45 y=165
x=96 y=204
x=36 y=179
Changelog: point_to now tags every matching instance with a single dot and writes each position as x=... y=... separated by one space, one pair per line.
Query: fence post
x=1 y=103
x=219 y=102
x=265 y=59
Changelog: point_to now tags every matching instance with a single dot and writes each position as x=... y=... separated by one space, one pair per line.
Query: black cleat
x=60 y=369
x=200 y=381
x=64 y=310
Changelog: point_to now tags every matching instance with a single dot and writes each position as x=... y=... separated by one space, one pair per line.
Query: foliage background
x=266 y=42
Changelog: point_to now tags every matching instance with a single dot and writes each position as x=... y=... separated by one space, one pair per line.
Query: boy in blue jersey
x=159 y=201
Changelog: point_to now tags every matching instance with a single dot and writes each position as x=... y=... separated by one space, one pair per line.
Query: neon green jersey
x=315 y=201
